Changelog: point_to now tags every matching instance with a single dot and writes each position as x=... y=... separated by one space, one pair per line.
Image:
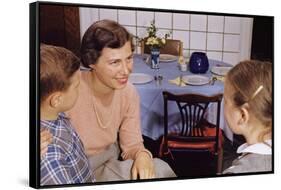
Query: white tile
x=108 y=14
x=231 y=58
x=214 y=55
x=215 y=23
x=198 y=40
x=144 y=18
x=163 y=20
x=131 y=29
x=95 y=14
x=214 y=41
x=92 y=13
x=192 y=51
x=198 y=22
x=186 y=54
x=183 y=36
x=87 y=17
x=232 y=25
x=181 y=21
x=161 y=33
x=141 y=32
x=231 y=43
x=127 y=17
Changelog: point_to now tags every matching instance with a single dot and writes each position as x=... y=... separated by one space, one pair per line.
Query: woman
x=107 y=113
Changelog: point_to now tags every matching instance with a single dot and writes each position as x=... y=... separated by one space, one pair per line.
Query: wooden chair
x=196 y=134
x=172 y=47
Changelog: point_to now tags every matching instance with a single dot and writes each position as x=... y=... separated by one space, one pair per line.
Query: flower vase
x=155 y=53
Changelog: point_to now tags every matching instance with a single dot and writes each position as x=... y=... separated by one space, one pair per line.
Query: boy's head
x=248 y=97
x=59 y=77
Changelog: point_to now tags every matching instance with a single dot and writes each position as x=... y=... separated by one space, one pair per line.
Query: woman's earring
x=92 y=67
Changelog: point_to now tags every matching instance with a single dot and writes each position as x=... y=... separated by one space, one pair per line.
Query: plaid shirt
x=65 y=161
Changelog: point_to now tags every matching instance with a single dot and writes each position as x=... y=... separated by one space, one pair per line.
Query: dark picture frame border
x=34 y=93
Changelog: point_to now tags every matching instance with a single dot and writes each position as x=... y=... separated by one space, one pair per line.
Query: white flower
x=155 y=41
x=152 y=39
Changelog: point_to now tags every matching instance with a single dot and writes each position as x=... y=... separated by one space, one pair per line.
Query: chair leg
x=219 y=163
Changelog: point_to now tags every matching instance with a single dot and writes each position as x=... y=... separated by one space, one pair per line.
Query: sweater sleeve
x=130 y=135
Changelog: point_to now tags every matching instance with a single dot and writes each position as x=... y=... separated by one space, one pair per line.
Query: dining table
x=159 y=80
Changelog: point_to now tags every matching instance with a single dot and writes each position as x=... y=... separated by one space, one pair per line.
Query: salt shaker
x=182 y=65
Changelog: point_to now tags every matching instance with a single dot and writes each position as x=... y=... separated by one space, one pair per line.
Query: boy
x=65 y=161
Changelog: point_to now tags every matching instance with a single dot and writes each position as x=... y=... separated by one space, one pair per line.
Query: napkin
x=177 y=82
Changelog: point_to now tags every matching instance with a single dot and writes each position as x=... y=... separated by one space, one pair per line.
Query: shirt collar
x=258 y=148
x=53 y=123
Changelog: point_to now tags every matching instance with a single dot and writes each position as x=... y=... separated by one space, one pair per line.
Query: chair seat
x=211 y=132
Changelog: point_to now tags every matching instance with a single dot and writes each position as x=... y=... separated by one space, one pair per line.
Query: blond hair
x=252 y=83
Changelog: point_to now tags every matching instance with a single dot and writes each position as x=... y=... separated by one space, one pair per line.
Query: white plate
x=140 y=78
x=222 y=71
x=195 y=79
x=167 y=57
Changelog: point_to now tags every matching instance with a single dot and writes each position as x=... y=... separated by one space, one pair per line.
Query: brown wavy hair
x=57 y=66
x=102 y=34
x=246 y=77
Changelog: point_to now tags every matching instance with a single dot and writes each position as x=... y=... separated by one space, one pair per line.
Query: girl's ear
x=244 y=115
x=56 y=99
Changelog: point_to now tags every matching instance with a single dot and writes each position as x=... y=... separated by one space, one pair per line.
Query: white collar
x=258 y=148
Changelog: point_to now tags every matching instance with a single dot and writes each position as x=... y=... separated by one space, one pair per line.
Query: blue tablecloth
x=152 y=104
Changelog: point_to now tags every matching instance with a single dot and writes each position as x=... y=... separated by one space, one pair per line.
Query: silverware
x=213 y=80
x=158 y=79
x=181 y=81
x=146 y=59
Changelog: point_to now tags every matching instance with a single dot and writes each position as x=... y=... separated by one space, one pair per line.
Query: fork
x=213 y=80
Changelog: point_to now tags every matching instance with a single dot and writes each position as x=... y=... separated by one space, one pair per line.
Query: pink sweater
x=124 y=118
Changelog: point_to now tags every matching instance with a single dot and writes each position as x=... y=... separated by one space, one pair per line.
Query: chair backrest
x=192 y=108
x=172 y=47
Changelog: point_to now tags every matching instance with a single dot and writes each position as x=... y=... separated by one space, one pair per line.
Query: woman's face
x=231 y=112
x=113 y=67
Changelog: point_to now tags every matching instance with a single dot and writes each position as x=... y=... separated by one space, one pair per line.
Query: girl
x=248 y=112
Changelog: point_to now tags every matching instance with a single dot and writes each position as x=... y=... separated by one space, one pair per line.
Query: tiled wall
x=223 y=38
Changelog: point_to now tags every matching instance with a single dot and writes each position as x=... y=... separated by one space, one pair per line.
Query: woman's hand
x=143 y=167
x=45 y=139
